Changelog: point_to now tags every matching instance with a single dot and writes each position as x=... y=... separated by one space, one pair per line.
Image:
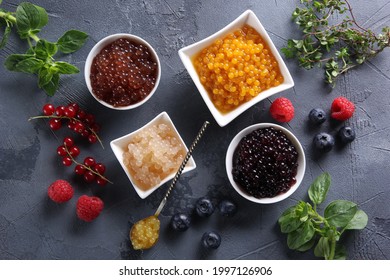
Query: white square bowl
x=187 y=53
x=119 y=146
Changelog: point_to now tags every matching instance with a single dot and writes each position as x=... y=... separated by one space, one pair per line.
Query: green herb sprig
x=29 y=19
x=340 y=45
x=305 y=227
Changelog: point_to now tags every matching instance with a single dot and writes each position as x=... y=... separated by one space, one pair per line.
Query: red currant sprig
x=89 y=169
x=78 y=120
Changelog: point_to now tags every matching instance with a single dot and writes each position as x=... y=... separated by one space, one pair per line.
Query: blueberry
x=211 y=240
x=317 y=116
x=324 y=142
x=180 y=222
x=227 y=208
x=204 y=207
x=346 y=134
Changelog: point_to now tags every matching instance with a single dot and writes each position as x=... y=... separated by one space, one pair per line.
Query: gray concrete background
x=32 y=227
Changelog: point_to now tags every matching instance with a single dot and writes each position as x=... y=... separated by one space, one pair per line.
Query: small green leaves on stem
x=39 y=58
x=305 y=227
x=340 y=46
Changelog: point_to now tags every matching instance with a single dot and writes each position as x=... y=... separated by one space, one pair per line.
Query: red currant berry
x=89 y=161
x=48 y=109
x=61 y=151
x=79 y=127
x=71 y=124
x=95 y=127
x=99 y=168
x=70 y=112
x=74 y=151
x=67 y=161
x=89 y=177
x=101 y=181
x=75 y=106
x=79 y=169
x=81 y=115
x=60 y=111
x=55 y=124
x=92 y=138
x=68 y=142
x=85 y=133
x=89 y=119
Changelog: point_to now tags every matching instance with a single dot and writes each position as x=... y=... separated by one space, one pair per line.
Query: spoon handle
x=183 y=164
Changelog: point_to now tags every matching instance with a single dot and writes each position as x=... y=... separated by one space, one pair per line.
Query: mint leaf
x=340 y=212
x=30 y=65
x=66 y=68
x=44 y=77
x=71 y=41
x=300 y=236
x=319 y=188
x=30 y=17
x=4 y=40
x=323 y=248
x=359 y=221
x=289 y=221
x=12 y=61
x=51 y=87
x=44 y=49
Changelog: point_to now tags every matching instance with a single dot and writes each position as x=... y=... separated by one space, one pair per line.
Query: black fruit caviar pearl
x=123 y=73
x=265 y=163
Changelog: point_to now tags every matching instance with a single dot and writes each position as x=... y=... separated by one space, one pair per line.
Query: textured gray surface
x=32 y=227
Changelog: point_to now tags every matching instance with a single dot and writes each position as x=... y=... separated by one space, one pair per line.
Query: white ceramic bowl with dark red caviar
x=230 y=155
x=188 y=53
x=103 y=43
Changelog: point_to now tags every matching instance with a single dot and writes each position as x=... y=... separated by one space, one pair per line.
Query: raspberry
x=89 y=207
x=282 y=110
x=60 y=191
x=342 y=109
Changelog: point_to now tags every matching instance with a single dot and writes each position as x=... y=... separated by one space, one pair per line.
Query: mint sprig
x=39 y=59
x=305 y=227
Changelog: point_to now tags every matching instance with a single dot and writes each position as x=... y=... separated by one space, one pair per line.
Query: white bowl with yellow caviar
x=236 y=67
x=152 y=154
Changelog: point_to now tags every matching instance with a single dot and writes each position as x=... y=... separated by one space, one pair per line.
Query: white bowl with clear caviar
x=236 y=67
x=152 y=154
x=122 y=71
x=265 y=163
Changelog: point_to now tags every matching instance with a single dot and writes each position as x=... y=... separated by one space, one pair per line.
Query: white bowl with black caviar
x=122 y=71
x=265 y=163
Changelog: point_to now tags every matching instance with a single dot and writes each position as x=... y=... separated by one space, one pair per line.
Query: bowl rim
x=118 y=152
x=99 y=46
x=186 y=53
x=301 y=162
